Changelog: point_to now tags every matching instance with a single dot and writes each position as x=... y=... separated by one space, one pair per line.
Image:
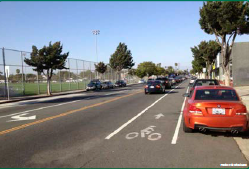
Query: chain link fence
x=17 y=79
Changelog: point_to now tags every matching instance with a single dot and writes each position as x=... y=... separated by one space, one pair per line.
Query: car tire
x=185 y=128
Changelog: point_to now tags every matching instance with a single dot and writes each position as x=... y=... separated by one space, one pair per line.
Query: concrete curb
x=242 y=142
x=44 y=96
x=40 y=96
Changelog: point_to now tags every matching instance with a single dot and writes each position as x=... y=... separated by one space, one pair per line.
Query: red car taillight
x=194 y=110
x=157 y=86
x=242 y=111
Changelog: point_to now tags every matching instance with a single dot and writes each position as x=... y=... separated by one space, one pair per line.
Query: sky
x=161 y=32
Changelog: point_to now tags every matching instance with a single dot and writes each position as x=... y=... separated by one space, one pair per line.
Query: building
x=239 y=65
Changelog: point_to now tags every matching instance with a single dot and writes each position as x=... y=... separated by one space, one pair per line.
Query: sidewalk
x=243 y=143
x=244 y=94
x=21 y=98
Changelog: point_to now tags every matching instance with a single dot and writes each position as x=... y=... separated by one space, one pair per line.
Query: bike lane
x=147 y=141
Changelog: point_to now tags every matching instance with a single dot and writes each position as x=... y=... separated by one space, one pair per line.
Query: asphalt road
x=110 y=128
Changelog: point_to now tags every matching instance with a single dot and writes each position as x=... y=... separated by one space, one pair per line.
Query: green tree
x=208 y=52
x=47 y=59
x=30 y=77
x=65 y=75
x=170 y=70
x=17 y=71
x=185 y=71
x=198 y=64
x=160 y=71
x=121 y=58
x=146 y=69
x=225 y=20
x=101 y=67
x=192 y=71
x=87 y=74
x=132 y=72
x=18 y=76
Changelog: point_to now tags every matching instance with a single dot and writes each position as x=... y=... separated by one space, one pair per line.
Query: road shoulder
x=243 y=142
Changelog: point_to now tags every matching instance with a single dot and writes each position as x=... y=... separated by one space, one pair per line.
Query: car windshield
x=206 y=82
x=216 y=94
x=153 y=82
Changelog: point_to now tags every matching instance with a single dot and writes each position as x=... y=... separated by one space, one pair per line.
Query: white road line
x=139 y=114
x=39 y=108
x=174 y=139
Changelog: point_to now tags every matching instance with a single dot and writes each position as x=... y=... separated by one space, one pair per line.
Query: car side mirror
x=186 y=95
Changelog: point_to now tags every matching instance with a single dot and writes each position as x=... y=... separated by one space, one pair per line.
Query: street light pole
x=96 y=32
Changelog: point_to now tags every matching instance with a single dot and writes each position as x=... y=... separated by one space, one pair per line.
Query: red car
x=214 y=108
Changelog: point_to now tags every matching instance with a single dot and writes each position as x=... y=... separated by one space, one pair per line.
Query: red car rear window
x=216 y=94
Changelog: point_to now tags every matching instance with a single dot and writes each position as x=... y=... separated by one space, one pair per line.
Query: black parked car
x=178 y=79
x=203 y=82
x=94 y=85
x=165 y=82
x=120 y=83
x=154 y=86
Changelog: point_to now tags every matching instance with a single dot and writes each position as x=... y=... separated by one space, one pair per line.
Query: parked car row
x=160 y=84
x=98 y=85
x=209 y=106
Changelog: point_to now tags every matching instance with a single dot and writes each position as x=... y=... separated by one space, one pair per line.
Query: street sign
x=7 y=71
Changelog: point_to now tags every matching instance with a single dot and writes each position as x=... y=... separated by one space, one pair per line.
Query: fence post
x=83 y=74
x=38 y=84
x=111 y=75
x=90 y=71
x=60 y=80
x=108 y=74
x=23 y=87
x=4 y=73
x=77 y=74
x=69 y=74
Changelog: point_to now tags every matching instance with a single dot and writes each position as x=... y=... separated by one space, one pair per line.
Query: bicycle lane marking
x=138 y=115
